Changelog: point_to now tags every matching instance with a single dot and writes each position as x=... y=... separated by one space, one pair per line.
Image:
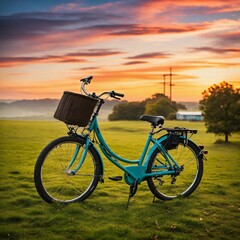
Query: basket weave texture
x=75 y=109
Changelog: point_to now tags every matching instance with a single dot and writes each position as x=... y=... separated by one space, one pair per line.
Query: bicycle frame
x=132 y=173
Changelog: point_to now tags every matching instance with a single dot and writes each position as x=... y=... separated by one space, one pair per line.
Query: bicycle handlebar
x=112 y=94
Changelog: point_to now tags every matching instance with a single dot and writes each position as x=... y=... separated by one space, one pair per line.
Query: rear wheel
x=183 y=183
x=54 y=182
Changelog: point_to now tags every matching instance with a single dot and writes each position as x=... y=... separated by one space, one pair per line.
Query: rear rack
x=179 y=130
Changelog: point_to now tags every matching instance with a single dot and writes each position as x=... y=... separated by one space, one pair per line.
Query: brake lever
x=116 y=97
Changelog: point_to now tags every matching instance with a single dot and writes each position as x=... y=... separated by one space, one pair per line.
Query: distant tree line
x=158 y=104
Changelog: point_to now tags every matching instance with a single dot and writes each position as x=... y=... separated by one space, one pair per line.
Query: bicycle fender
x=100 y=157
x=155 y=146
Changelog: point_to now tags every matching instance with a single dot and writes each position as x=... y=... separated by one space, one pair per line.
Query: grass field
x=211 y=212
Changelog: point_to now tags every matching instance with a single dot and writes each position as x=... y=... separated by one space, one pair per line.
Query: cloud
x=151 y=55
x=136 y=29
x=44 y=30
x=215 y=50
x=84 y=7
x=95 y=53
x=25 y=25
x=148 y=10
x=153 y=72
x=58 y=29
x=72 y=57
x=89 y=68
x=77 y=16
x=231 y=38
x=151 y=9
x=134 y=62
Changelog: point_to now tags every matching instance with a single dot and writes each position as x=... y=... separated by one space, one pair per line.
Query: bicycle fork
x=81 y=161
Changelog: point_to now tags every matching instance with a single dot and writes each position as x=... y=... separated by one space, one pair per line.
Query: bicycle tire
x=187 y=154
x=51 y=180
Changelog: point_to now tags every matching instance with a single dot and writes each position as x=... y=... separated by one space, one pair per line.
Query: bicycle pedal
x=116 y=178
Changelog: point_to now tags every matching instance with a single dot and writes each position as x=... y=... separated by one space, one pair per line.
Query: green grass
x=211 y=212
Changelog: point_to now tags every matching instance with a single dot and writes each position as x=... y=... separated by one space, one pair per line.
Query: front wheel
x=52 y=175
x=183 y=183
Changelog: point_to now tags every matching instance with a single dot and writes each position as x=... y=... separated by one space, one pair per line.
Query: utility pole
x=164 y=84
x=170 y=74
x=170 y=84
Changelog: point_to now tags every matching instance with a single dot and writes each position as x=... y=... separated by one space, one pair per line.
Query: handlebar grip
x=117 y=94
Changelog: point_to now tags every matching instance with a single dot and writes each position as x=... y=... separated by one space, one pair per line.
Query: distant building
x=189 y=116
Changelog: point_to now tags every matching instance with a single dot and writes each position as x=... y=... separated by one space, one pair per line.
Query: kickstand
x=132 y=191
x=153 y=199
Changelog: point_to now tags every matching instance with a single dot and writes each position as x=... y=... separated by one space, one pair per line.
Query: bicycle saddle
x=154 y=120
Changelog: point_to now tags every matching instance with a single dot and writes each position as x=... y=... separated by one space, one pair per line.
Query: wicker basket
x=75 y=109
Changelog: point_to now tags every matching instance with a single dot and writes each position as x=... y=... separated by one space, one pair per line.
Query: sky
x=127 y=46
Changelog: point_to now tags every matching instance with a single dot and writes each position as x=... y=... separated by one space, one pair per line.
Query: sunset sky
x=47 y=46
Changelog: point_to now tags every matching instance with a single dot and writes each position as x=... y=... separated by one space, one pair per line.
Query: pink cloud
x=153 y=7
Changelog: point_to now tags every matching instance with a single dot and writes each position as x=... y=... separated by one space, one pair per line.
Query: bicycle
x=69 y=168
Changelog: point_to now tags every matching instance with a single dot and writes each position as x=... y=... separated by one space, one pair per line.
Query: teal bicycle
x=69 y=168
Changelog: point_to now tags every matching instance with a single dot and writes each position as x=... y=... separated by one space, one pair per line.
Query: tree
x=221 y=109
x=160 y=104
x=127 y=111
x=162 y=107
